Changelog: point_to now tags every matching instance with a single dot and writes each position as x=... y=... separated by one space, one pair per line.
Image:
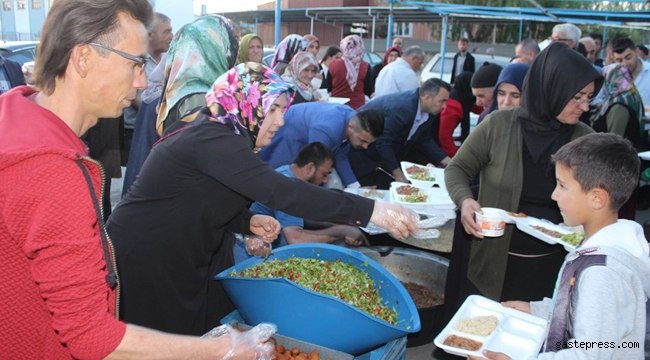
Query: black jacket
x=13 y=71
x=469 y=65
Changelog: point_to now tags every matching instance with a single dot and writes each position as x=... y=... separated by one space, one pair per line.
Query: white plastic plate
x=526 y=224
x=436 y=197
x=438 y=174
x=381 y=195
x=518 y=335
x=338 y=100
x=645 y=155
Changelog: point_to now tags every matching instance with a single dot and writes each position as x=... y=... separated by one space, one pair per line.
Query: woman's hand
x=523 y=306
x=395 y=218
x=492 y=355
x=265 y=226
x=467 y=209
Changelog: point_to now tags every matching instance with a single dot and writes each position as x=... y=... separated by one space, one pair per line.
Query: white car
x=432 y=68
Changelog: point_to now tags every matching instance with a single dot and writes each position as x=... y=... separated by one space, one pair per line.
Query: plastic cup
x=324 y=94
x=491 y=223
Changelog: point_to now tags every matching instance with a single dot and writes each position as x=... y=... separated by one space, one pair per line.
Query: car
x=432 y=68
x=19 y=51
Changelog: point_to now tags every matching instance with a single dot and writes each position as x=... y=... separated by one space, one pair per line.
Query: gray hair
x=589 y=40
x=157 y=19
x=529 y=45
x=413 y=51
x=569 y=30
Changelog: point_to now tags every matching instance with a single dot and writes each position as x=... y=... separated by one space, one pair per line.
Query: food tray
x=438 y=174
x=525 y=224
x=381 y=195
x=436 y=197
x=234 y=319
x=518 y=334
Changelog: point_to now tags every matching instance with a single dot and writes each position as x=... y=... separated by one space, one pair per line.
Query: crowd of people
x=222 y=146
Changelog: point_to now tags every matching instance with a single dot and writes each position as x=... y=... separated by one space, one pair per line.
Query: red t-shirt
x=341 y=87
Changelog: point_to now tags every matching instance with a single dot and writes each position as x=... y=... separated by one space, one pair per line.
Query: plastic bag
x=432 y=221
x=251 y=342
x=255 y=245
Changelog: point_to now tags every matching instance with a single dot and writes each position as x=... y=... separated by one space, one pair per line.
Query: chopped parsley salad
x=573 y=238
x=335 y=278
x=419 y=173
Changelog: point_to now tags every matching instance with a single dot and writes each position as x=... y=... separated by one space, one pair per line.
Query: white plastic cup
x=490 y=222
x=324 y=94
x=316 y=83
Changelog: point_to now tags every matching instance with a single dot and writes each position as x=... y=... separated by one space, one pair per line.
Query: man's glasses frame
x=140 y=62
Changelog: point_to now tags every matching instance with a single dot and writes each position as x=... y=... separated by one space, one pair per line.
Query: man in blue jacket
x=10 y=75
x=337 y=126
x=407 y=126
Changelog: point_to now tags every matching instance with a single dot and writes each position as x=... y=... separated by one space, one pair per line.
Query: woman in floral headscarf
x=200 y=52
x=351 y=76
x=171 y=230
x=302 y=69
x=286 y=50
x=313 y=44
x=622 y=110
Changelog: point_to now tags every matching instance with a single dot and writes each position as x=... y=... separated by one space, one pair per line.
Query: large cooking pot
x=420 y=267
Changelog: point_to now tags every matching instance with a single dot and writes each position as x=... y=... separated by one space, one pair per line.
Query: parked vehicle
x=432 y=68
x=19 y=51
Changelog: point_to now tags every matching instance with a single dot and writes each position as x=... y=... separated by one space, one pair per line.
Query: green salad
x=573 y=238
x=335 y=278
x=423 y=176
x=415 y=197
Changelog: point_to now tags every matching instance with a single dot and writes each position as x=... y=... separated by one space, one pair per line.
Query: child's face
x=573 y=202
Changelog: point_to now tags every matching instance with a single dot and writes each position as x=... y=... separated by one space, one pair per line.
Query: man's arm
x=351 y=234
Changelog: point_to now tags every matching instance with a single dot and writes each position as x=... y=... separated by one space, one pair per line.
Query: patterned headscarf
x=300 y=62
x=200 y=52
x=243 y=97
x=288 y=48
x=244 y=43
x=390 y=50
x=353 y=50
x=619 y=88
x=311 y=39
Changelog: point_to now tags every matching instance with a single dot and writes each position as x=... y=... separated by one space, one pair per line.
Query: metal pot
x=420 y=267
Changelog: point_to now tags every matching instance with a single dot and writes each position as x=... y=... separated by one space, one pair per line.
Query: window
x=36 y=4
x=6 y=5
x=21 y=5
x=403 y=29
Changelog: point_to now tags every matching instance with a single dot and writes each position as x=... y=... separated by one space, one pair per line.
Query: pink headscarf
x=300 y=62
x=353 y=50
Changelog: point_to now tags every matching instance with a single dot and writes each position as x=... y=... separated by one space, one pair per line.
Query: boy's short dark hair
x=602 y=160
x=643 y=49
x=620 y=44
x=315 y=152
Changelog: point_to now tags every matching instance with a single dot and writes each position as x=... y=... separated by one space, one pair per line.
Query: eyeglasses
x=581 y=100
x=559 y=39
x=139 y=62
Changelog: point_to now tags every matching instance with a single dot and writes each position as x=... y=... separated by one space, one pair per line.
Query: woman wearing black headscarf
x=511 y=150
x=457 y=111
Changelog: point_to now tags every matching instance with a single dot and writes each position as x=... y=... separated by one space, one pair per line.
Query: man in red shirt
x=59 y=279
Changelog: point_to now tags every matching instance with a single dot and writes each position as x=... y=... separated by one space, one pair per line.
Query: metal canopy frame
x=435 y=12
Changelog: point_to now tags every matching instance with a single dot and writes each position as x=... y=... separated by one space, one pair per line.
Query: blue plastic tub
x=317 y=318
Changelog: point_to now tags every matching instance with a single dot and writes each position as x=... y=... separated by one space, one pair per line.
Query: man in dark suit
x=10 y=75
x=463 y=60
x=407 y=126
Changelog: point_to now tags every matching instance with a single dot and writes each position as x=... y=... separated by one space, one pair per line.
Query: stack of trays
x=517 y=334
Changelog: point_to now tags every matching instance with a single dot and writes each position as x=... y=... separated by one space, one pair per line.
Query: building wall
x=37 y=16
x=8 y=20
x=328 y=34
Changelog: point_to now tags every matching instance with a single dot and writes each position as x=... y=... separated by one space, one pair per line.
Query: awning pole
x=521 y=28
x=389 y=36
x=443 y=44
x=311 y=29
x=278 y=20
x=372 y=42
